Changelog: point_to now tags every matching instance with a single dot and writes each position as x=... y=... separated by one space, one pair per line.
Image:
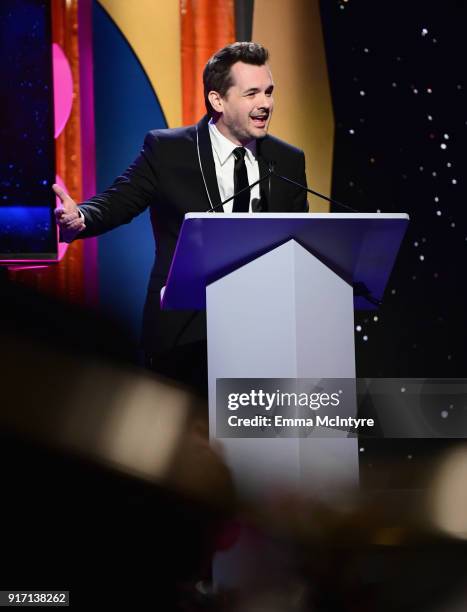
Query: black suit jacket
x=167 y=177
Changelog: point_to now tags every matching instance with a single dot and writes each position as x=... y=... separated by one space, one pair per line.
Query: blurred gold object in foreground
x=448 y=494
x=123 y=417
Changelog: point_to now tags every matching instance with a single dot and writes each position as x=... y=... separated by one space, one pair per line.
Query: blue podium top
x=360 y=247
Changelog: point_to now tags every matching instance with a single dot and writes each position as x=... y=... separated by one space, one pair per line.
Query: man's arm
x=127 y=197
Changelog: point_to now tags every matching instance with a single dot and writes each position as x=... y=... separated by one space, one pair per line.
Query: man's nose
x=266 y=102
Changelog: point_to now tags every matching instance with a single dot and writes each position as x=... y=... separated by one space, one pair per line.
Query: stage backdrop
x=126 y=107
x=141 y=51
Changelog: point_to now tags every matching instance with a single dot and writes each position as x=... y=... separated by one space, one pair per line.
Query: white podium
x=279 y=290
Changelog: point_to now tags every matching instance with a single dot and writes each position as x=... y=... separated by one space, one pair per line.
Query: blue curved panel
x=126 y=107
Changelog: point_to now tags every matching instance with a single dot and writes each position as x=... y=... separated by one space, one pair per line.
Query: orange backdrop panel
x=65 y=279
x=206 y=27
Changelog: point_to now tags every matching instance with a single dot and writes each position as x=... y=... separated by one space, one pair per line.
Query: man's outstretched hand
x=67 y=216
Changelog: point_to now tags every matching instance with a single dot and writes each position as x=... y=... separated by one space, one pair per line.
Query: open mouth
x=260 y=120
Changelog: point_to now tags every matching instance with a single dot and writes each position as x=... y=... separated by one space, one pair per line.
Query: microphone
x=255 y=202
x=271 y=172
x=271 y=166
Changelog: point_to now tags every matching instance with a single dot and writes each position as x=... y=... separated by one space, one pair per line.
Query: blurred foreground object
x=380 y=551
x=109 y=485
x=120 y=417
x=62 y=385
x=448 y=495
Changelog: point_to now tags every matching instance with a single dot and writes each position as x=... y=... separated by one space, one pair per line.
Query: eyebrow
x=256 y=89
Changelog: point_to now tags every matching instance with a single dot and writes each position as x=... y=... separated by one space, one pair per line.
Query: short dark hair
x=216 y=74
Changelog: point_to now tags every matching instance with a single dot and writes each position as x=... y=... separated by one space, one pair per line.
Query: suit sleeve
x=128 y=196
x=300 y=203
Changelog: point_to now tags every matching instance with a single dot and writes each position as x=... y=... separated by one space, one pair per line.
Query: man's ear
x=216 y=101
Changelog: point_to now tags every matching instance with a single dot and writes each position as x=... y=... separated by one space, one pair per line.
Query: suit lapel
x=207 y=163
x=264 y=186
x=263 y=164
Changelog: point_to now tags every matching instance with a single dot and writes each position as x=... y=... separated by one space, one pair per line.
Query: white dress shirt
x=224 y=161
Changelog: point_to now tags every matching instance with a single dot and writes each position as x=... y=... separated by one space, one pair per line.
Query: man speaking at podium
x=194 y=169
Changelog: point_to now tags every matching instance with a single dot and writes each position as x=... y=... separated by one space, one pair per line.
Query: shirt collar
x=223 y=147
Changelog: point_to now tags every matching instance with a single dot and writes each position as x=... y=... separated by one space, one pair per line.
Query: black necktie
x=242 y=201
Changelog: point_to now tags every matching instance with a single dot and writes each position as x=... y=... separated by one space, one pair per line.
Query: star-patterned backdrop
x=398 y=86
x=27 y=160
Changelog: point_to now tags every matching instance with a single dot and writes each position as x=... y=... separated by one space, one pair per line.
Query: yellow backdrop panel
x=303 y=115
x=152 y=28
